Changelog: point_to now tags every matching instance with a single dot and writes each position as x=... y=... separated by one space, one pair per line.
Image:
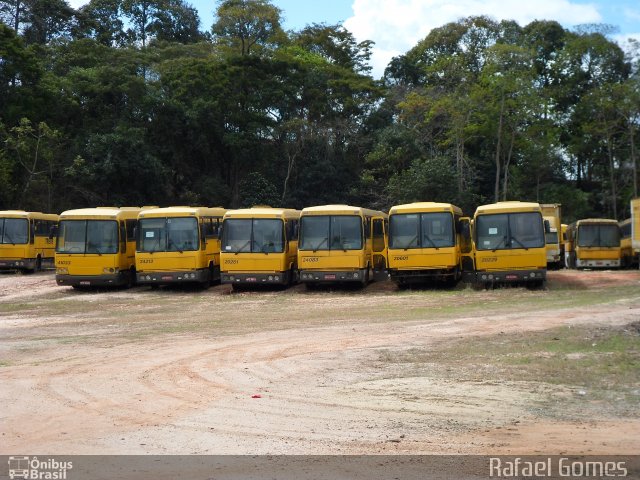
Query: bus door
x=379 y=248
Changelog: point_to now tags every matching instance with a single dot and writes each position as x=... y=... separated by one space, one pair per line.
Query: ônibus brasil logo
x=32 y=468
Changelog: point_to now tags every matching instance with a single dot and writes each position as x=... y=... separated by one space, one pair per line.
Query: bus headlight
x=62 y=271
x=277 y=278
x=355 y=275
x=270 y=278
x=109 y=270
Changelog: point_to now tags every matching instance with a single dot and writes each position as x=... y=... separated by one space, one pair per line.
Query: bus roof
x=23 y=214
x=181 y=211
x=418 y=207
x=102 y=213
x=507 y=207
x=604 y=221
x=340 y=210
x=267 y=212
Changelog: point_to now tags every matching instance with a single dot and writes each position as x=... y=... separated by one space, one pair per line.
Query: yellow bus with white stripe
x=260 y=246
x=96 y=247
x=26 y=241
x=426 y=242
x=341 y=243
x=178 y=245
x=509 y=243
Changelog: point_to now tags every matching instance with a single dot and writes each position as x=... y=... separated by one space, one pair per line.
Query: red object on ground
x=256 y=396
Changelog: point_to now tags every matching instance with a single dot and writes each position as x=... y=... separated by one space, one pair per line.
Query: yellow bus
x=635 y=229
x=509 y=243
x=260 y=246
x=628 y=257
x=427 y=242
x=96 y=247
x=551 y=214
x=178 y=245
x=26 y=241
x=594 y=243
x=341 y=243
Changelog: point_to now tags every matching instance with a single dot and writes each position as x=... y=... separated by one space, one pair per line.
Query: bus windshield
x=421 y=230
x=331 y=232
x=253 y=235
x=506 y=231
x=598 y=236
x=168 y=234
x=87 y=236
x=14 y=231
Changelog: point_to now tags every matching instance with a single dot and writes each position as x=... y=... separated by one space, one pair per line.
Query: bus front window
x=267 y=236
x=314 y=233
x=598 y=236
x=404 y=231
x=258 y=235
x=168 y=234
x=14 y=231
x=182 y=234
x=236 y=235
x=504 y=231
x=346 y=232
x=87 y=236
x=102 y=236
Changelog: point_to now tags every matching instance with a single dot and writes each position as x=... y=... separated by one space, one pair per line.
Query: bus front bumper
x=511 y=276
x=106 y=280
x=313 y=276
x=164 y=278
x=598 y=263
x=272 y=278
x=17 y=264
x=423 y=274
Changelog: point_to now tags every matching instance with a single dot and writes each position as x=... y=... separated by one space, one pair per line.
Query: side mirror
x=220 y=232
x=547 y=226
x=53 y=231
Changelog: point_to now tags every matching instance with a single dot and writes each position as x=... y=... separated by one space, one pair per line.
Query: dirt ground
x=186 y=371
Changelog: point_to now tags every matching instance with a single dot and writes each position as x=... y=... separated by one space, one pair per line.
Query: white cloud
x=77 y=3
x=397 y=25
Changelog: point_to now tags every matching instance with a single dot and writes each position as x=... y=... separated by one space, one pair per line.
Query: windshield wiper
x=521 y=244
x=502 y=242
x=320 y=244
x=415 y=237
x=431 y=241
x=171 y=242
x=10 y=239
x=248 y=242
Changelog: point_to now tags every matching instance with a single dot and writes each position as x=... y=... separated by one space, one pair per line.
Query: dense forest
x=132 y=102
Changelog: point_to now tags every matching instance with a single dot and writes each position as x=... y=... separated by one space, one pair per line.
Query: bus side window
x=131 y=229
x=123 y=237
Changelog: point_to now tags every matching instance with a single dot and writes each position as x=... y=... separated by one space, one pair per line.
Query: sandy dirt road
x=296 y=372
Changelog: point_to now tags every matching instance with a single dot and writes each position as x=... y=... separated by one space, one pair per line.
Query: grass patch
x=601 y=363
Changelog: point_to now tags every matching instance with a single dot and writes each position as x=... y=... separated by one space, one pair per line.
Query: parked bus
x=340 y=243
x=509 y=240
x=551 y=214
x=593 y=243
x=260 y=246
x=96 y=247
x=628 y=257
x=635 y=229
x=427 y=241
x=178 y=245
x=25 y=240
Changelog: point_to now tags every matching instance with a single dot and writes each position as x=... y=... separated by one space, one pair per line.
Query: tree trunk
x=498 y=146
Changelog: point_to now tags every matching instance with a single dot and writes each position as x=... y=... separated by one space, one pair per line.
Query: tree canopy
x=131 y=102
